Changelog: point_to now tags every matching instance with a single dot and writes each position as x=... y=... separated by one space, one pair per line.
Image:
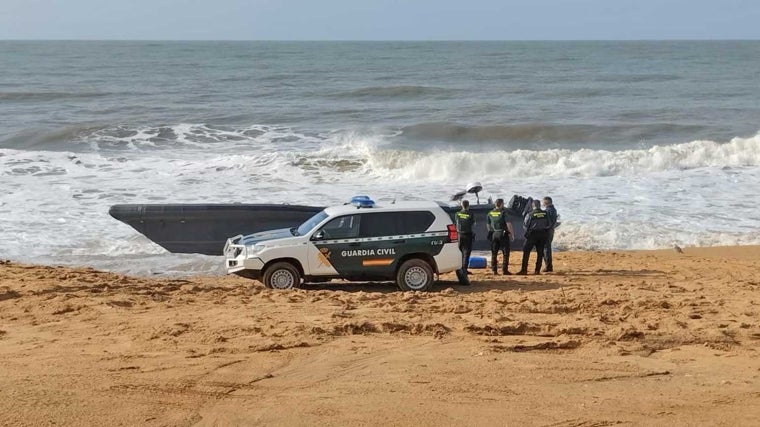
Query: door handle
x=353 y=244
x=398 y=242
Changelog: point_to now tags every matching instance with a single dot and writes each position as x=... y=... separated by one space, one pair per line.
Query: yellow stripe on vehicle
x=377 y=262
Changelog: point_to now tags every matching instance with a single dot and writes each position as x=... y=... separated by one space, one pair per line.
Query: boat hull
x=204 y=228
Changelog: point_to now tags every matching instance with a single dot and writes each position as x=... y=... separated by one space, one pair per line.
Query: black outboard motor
x=520 y=205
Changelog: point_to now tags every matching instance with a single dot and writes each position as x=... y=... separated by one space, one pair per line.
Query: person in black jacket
x=465 y=223
x=551 y=211
x=500 y=233
x=537 y=225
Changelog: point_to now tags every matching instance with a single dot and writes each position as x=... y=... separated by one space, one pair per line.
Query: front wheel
x=415 y=275
x=282 y=275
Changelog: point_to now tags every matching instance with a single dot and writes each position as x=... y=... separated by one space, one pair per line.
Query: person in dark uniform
x=551 y=211
x=500 y=234
x=536 y=228
x=465 y=224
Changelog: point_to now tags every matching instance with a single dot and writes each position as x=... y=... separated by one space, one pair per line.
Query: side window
x=395 y=223
x=416 y=222
x=379 y=224
x=343 y=227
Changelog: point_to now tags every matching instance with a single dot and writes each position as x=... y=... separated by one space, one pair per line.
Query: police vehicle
x=407 y=242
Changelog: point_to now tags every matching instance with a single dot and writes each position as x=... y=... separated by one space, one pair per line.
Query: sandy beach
x=611 y=338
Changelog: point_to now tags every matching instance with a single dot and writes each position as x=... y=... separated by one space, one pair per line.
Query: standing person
x=465 y=225
x=551 y=212
x=536 y=228
x=501 y=233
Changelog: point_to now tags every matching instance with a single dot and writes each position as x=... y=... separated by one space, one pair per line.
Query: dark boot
x=505 y=264
x=505 y=269
x=525 y=259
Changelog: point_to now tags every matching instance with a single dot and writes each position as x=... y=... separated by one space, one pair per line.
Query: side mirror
x=319 y=235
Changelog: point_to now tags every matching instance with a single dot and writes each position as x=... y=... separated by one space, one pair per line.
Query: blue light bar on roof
x=362 y=202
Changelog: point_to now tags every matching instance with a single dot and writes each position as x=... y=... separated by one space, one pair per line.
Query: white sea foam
x=53 y=205
x=193 y=136
x=447 y=166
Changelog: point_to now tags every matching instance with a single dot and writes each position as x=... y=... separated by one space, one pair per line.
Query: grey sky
x=379 y=19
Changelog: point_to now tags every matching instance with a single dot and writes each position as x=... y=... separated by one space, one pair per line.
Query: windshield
x=310 y=224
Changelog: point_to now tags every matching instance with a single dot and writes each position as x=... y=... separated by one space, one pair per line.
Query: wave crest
x=448 y=166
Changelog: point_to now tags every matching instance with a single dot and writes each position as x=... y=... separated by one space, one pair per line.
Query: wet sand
x=629 y=338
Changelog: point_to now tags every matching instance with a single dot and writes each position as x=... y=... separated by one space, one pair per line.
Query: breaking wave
x=452 y=166
x=161 y=137
x=183 y=136
x=270 y=149
x=354 y=157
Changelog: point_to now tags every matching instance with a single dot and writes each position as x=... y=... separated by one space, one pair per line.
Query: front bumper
x=236 y=258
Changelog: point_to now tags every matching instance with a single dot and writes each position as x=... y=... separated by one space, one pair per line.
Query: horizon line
x=377 y=40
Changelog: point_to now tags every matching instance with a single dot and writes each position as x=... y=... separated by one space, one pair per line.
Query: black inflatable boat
x=204 y=228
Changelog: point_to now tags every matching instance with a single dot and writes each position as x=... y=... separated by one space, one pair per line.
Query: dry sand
x=631 y=338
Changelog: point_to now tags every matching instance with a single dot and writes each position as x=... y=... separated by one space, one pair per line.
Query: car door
x=392 y=235
x=381 y=243
x=331 y=247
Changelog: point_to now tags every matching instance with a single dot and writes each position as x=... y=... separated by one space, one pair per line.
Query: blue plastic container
x=478 y=262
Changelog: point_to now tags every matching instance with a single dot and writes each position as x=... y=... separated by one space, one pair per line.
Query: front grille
x=233 y=252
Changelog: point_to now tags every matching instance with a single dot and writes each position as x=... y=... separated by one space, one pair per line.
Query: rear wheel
x=282 y=275
x=415 y=275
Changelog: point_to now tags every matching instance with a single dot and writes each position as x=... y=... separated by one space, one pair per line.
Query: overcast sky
x=379 y=19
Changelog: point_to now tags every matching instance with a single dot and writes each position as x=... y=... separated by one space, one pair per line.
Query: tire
x=415 y=275
x=281 y=276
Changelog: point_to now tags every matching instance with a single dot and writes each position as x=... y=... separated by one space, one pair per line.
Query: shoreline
x=729 y=251
x=631 y=337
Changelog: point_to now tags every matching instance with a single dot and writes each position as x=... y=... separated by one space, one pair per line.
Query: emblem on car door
x=324 y=257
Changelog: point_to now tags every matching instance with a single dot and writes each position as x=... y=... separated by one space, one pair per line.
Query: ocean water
x=641 y=144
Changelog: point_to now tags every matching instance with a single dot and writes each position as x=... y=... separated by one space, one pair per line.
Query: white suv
x=407 y=242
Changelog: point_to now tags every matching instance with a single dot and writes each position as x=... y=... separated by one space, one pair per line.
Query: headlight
x=257 y=248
